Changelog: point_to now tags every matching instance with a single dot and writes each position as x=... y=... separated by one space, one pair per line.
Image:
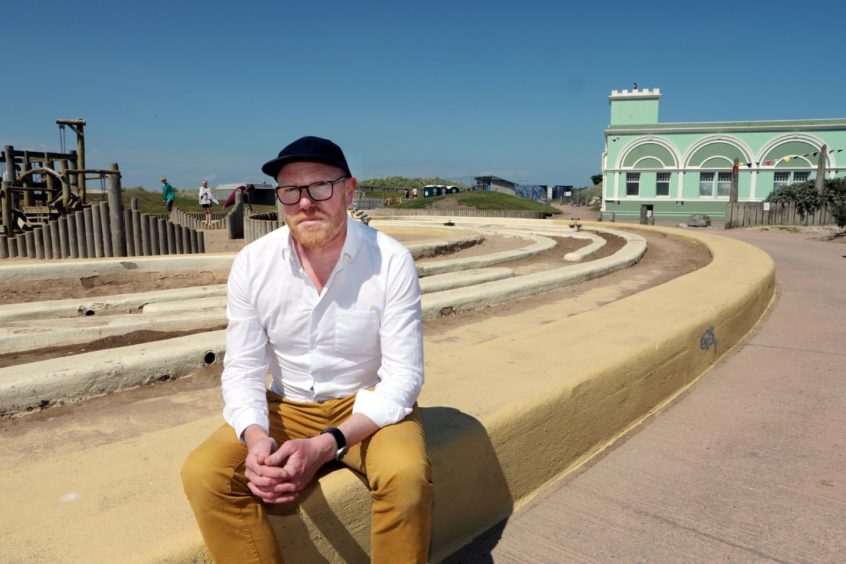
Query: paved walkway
x=749 y=465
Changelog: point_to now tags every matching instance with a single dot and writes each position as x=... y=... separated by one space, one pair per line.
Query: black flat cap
x=310 y=148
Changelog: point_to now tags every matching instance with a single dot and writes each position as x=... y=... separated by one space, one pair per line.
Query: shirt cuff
x=240 y=421
x=382 y=411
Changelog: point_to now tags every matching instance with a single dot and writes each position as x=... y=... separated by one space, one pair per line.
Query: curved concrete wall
x=543 y=414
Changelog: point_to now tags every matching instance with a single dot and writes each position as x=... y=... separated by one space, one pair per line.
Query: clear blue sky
x=516 y=89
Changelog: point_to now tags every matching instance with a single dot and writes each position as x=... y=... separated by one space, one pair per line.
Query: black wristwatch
x=340 y=440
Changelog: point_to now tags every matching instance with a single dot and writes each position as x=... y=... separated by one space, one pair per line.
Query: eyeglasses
x=317 y=191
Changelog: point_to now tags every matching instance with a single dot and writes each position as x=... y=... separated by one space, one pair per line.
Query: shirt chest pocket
x=357 y=333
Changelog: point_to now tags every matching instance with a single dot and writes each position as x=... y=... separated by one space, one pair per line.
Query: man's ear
x=350 y=190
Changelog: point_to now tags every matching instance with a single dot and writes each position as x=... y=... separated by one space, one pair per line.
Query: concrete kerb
x=57 y=381
x=430 y=284
x=595 y=244
x=539 y=245
x=28 y=273
x=531 y=420
x=36 y=334
x=500 y=291
x=463 y=278
x=116 y=303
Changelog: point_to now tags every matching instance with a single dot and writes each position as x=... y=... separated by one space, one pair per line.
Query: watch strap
x=340 y=441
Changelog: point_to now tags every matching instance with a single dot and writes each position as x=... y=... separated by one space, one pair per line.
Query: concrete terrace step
x=459 y=291
x=117 y=303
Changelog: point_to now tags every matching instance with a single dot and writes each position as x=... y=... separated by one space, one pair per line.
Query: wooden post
x=27 y=166
x=130 y=239
x=88 y=225
x=80 y=234
x=80 y=162
x=733 y=197
x=72 y=174
x=118 y=230
x=97 y=231
x=145 y=235
x=8 y=218
x=186 y=244
x=171 y=238
x=73 y=246
x=153 y=230
x=29 y=238
x=107 y=233
x=162 y=231
x=63 y=169
x=51 y=186
x=177 y=235
x=39 y=243
x=4 y=246
x=55 y=244
x=7 y=181
x=63 y=237
x=821 y=163
x=48 y=244
x=137 y=238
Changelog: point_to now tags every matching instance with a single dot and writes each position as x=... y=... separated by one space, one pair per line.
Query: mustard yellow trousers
x=234 y=522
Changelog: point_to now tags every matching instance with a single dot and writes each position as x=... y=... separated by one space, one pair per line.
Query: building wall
x=687 y=151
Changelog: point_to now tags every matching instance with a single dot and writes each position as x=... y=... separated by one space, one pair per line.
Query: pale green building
x=674 y=170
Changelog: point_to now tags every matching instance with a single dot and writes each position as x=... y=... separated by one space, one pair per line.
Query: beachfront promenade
x=748 y=466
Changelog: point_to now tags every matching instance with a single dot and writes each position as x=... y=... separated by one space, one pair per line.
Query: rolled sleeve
x=246 y=362
x=401 y=338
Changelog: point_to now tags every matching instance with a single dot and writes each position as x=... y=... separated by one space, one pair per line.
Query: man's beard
x=317 y=235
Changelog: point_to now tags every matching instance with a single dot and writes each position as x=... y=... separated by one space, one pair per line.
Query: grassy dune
x=481 y=201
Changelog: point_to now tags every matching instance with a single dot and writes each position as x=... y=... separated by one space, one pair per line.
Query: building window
x=662 y=184
x=723 y=184
x=706 y=184
x=714 y=184
x=632 y=183
x=784 y=178
x=780 y=180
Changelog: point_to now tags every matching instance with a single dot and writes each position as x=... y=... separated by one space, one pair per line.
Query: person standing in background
x=206 y=200
x=168 y=194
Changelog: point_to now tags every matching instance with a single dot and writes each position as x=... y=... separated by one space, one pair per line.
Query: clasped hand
x=278 y=475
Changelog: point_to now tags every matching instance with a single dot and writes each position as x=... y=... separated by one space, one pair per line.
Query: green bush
x=803 y=194
x=834 y=195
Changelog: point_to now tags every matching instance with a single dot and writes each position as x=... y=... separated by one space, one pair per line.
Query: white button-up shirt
x=361 y=335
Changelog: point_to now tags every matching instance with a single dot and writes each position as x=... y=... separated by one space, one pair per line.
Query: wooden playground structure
x=46 y=215
x=39 y=186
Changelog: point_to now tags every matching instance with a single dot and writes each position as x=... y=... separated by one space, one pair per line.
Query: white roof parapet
x=635 y=93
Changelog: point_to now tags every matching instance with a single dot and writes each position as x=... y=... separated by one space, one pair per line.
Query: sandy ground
x=493 y=243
